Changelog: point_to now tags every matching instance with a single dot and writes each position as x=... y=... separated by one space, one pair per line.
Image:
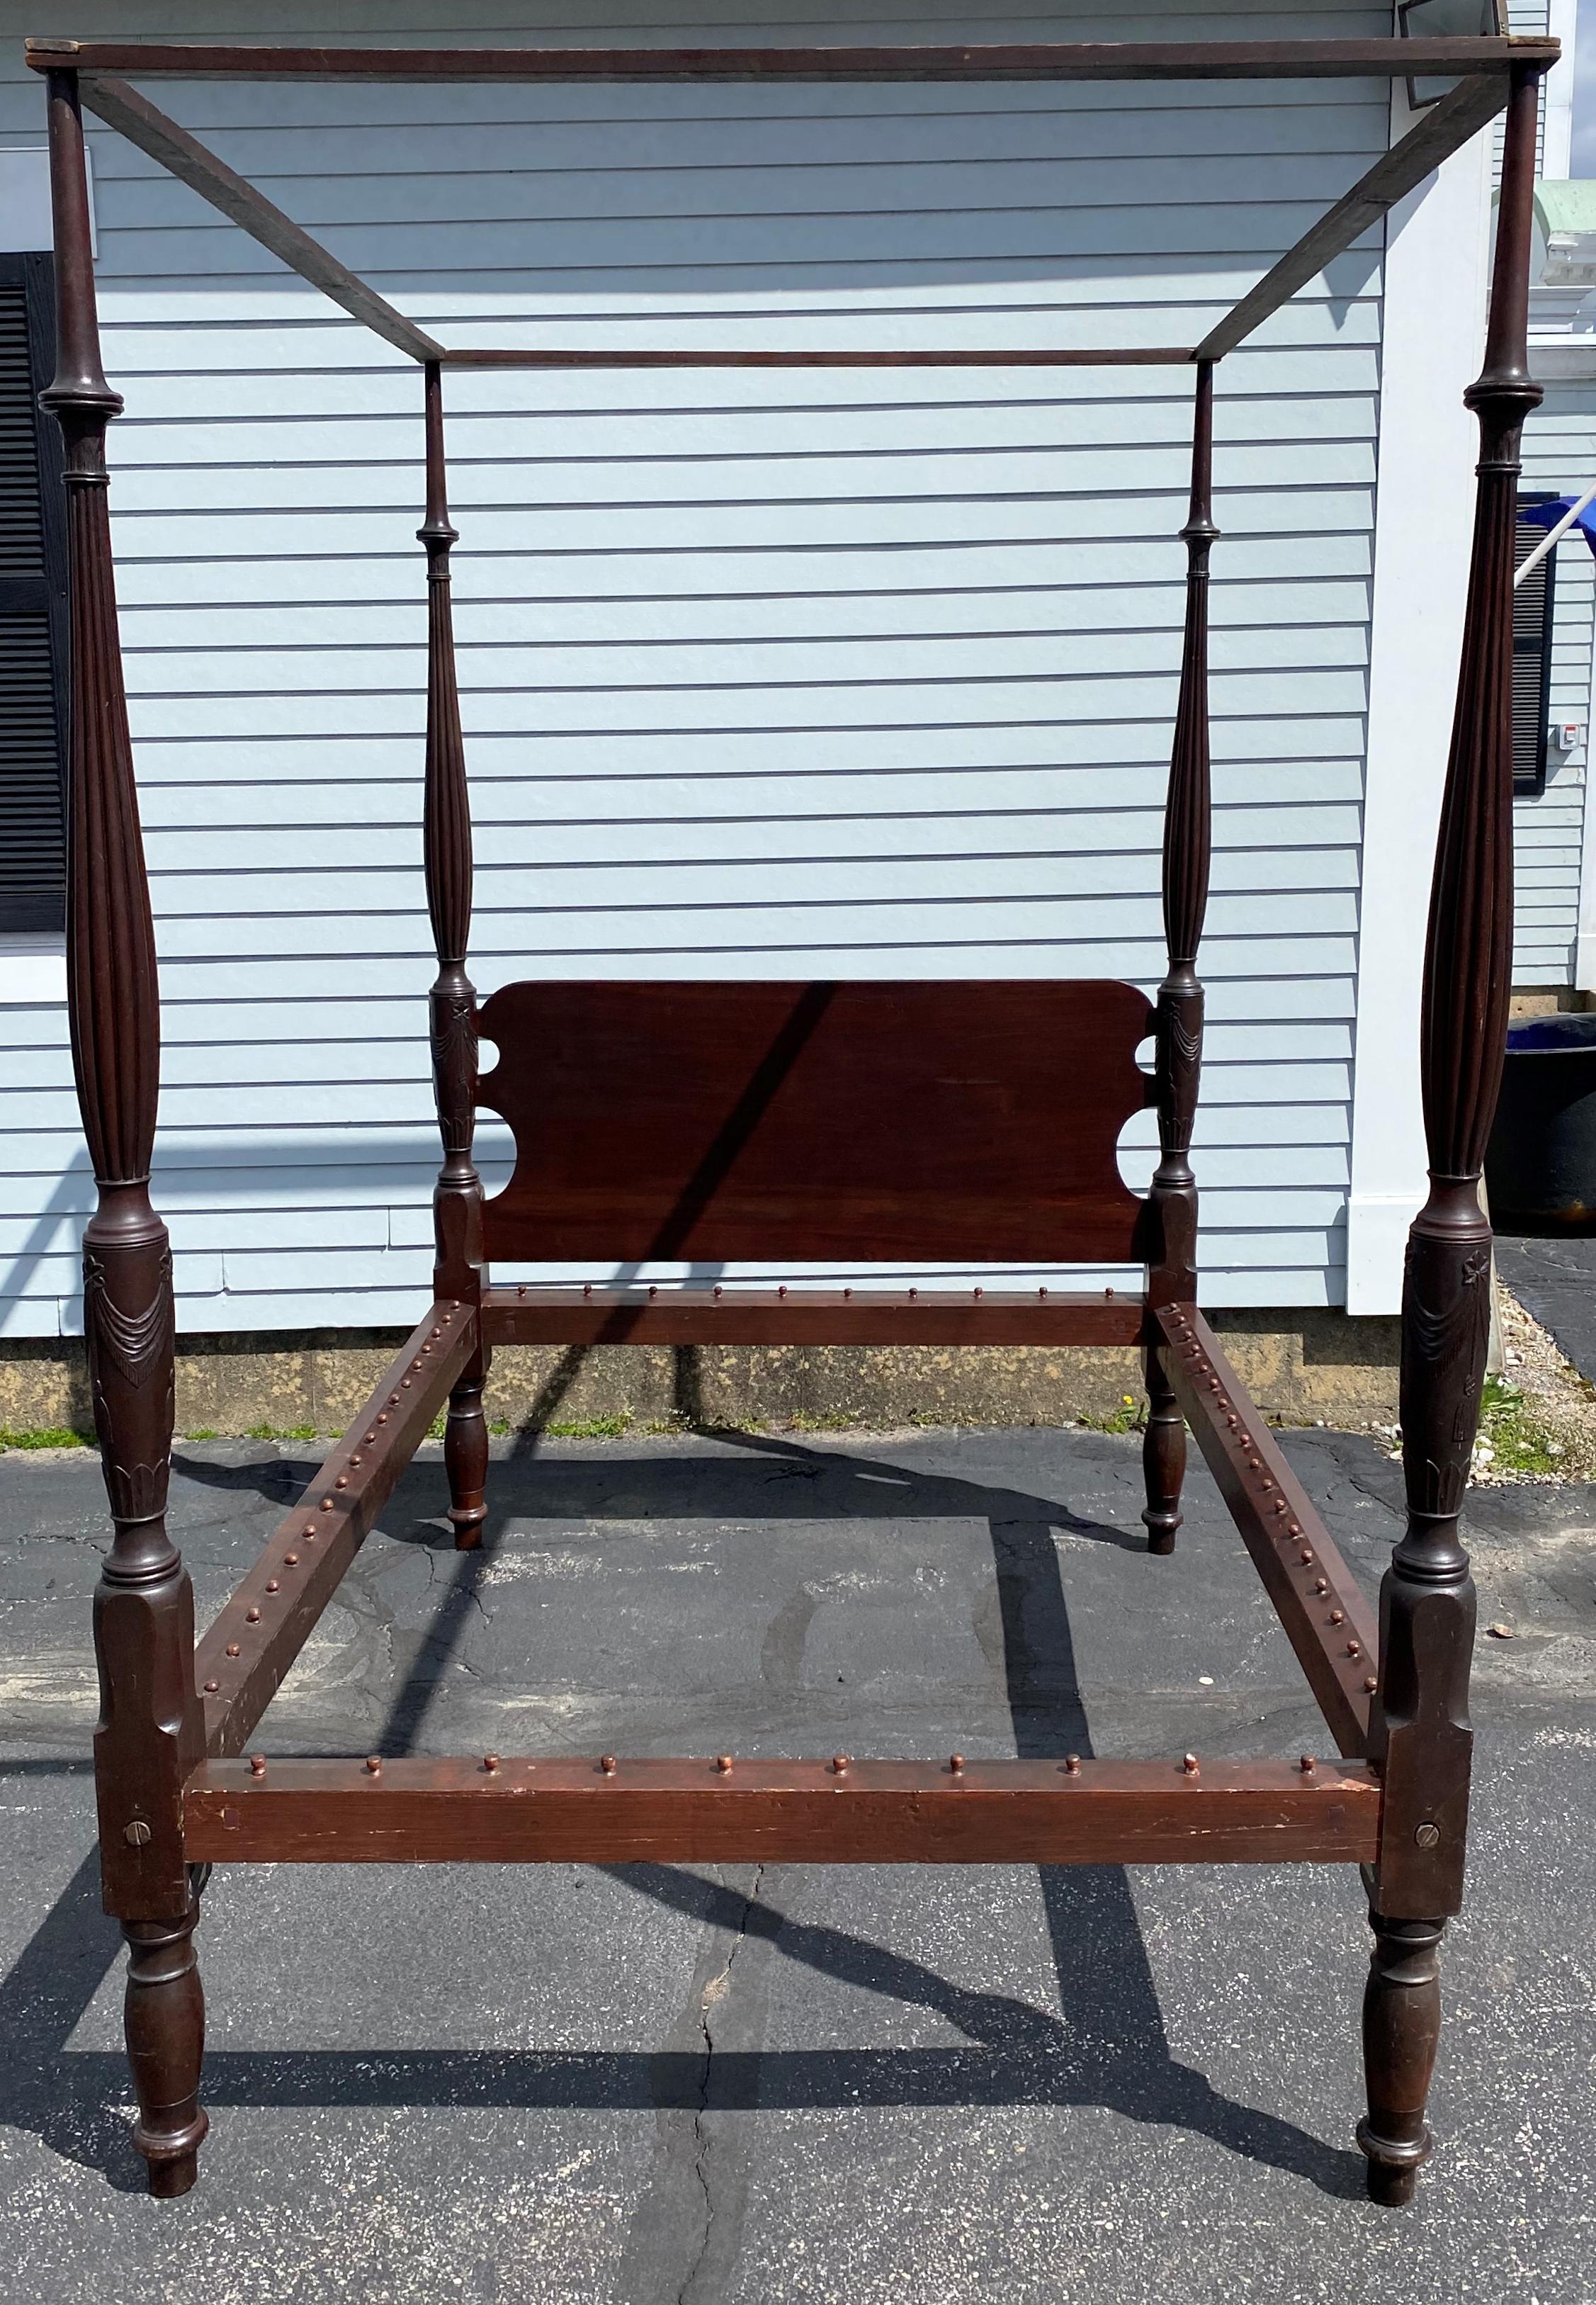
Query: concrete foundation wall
x=1299 y=1367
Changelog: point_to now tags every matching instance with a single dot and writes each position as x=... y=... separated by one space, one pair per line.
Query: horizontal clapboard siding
x=860 y=675
x=1559 y=457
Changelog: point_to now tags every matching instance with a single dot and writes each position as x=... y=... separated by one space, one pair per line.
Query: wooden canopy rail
x=927 y=1122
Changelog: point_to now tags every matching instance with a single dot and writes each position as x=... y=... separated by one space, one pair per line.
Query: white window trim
x=1432 y=338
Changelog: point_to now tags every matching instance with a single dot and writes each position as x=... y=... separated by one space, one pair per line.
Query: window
x=1531 y=657
x=33 y=609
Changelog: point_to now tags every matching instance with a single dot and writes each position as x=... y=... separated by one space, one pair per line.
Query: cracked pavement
x=725 y=2086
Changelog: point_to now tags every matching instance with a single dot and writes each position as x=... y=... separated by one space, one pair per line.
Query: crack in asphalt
x=715 y=1991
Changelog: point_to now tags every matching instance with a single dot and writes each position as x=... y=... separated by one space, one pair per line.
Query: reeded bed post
x=1172 y=1209
x=446 y=853
x=1421 y=1726
x=148 y=1736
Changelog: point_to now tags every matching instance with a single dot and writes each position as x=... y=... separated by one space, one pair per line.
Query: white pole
x=1552 y=536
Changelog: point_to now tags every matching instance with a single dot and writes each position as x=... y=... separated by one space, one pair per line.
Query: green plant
x=202 y=1432
x=830 y=1420
x=1511 y=1438
x=1127 y=1418
x=45 y=1436
x=281 y=1433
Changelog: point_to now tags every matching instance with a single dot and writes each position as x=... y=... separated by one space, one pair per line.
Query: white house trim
x=1423 y=520
x=1557 y=134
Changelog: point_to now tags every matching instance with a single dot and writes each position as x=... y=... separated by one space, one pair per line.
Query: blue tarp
x=1548 y=514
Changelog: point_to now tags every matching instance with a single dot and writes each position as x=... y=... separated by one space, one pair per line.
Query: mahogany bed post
x=1173 y=1198
x=446 y=853
x=149 y=1734
x=1420 y=1729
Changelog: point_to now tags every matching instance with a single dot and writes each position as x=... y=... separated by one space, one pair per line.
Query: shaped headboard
x=966 y=1122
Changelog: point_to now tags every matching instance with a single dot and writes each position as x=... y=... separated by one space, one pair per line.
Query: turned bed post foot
x=1402 y=2024
x=465 y=1457
x=163 y=2021
x=1163 y=1459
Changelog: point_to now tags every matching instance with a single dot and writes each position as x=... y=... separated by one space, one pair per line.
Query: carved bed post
x=446 y=852
x=1179 y=1033
x=149 y=1734
x=1421 y=1732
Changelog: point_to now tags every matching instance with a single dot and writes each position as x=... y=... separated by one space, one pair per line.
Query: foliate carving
x=1419 y=1726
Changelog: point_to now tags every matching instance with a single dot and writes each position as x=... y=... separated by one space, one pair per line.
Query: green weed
x=46 y=1436
x=1509 y=1429
x=1127 y=1417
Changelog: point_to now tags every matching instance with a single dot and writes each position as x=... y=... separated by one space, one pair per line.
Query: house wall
x=867 y=675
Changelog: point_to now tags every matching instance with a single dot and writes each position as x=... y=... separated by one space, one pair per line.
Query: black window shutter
x=1531 y=659
x=33 y=610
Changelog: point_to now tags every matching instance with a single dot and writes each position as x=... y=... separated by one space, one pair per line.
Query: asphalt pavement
x=740 y=2086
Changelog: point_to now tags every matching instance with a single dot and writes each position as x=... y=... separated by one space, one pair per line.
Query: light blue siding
x=853 y=674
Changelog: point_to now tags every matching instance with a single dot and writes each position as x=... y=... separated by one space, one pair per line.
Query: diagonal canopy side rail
x=132 y=115
x=1079 y=60
x=1438 y=133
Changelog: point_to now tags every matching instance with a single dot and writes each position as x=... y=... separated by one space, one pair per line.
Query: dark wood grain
x=1438 y=131
x=1401 y=2028
x=1422 y=1730
x=1347 y=59
x=133 y=115
x=1172 y=1197
x=736 y=1315
x=793 y=1812
x=446 y=860
x=1320 y=1606
x=256 y=1637
x=1123 y=356
x=966 y=1120
x=149 y=1735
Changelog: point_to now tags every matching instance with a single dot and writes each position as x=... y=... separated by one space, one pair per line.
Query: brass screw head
x=1189 y=1763
x=258 y=1765
x=251 y=1616
x=608 y=1764
x=1427 y=1835
x=374 y=1764
x=211 y=1687
x=1071 y=1764
x=490 y=1761
x=233 y=1648
x=956 y=1764
x=136 y=1834
x=723 y=1762
x=839 y=1765
x=1307 y=1764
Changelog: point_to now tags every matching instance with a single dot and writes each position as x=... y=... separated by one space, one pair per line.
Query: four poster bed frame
x=958 y=1121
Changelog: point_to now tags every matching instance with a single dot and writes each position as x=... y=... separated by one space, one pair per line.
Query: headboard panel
x=966 y=1122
